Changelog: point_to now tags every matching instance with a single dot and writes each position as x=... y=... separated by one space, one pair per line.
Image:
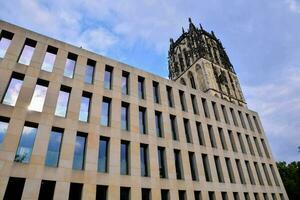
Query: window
x=174 y=128
x=274 y=175
x=219 y=169
x=164 y=194
x=206 y=166
x=47 y=190
x=274 y=196
x=146 y=194
x=108 y=77
x=54 y=146
x=124 y=193
x=230 y=170
x=142 y=120
x=178 y=164
x=250 y=145
x=27 y=51
x=256 y=124
x=4 y=121
x=236 y=196
x=158 y=124
x=105 y=112
x=125 y=83
x=232 y=141
x=182 y=195
x=256 y=196
x=281 y=196
x=63 y=101
x=75 y=192
x=26 y=142
x=39 y=96
x=224 y=195
x=162 y=162
x=182 y=100
x=170 y=96
x=192 y=81
x=141 y=87
x=103 y=154
x=144 y=160
x=193 y=166
x=251 y=177
x=13 y=89
x=240 y=137
x=156 y=96
x=205 y=108
x=5 y=40
x=261 y=182
x=266 y=174
x=242 y=119
x=197 y=195
x=211 y=196
x=70 y=65
x=200 y=133
x=265 y=196
x=125 y=116
x=246 y=195
x=14 y=188
x=79 y=151
x=124 y=158
x=187 y=130
x=225 y=114
x=265 y=147
x=240 y=171
x=216 y=112
x=89 y=71
x=49 y=59
x=233 y=117
x=101 y=192
x=85 y=106
x=222 y=138
x=195 y=104
x=257 y=146
x=249 y=122
x=212 y=136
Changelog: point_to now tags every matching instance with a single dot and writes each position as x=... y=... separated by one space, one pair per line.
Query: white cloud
x=293 y=5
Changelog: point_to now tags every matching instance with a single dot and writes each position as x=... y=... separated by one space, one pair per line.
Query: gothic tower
x=198 y=58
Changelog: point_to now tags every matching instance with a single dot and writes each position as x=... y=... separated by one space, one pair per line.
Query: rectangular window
x=158 y=124
x=193 y=166
x=274 y=196
x=146 y=194
x=197 y=195
x=256 y=196
x=216 y=112
x=75 y=192
x=103 y=154
x=124 y=158
x=250 y=145
x=182 y=100
x=141 y=87
x=212 y=136
x=79 y=151
x=240 y=171
x=246 y=195
x=178 y=164
x=54 y=145
x=261 y=182
x=187 y=130
x=49 y=59
x=200 y=133
x=274 y=175
x=125 y=116
x=124 y=193
x=242 y=119
x=249 y=122
x=125 y=83
x=265 y=147
x=105 y=111
x=232 y=141
x=195 y=104
x=222 y=138
x=256 y=124
x=266 y=174
x=70 y=65
x=63 y=101
x=170 y=96
x=27 y=51
x=47 y=189
x=39 y=96
x=230 y=170
x=174 y=128
x=144 y=160
x=281 y=196
x=257 y=146
x=251 y=177
x=182 y=195
x=233 y=117
x=211 y=196
x=240 y=137
x=205 y=108
x=5 y=40
x=14 y=188
x=164 y=194
x=224 y=196
x=162 y=162
x=13 y=89
x=26 y=142
x=156 y=96
x=108 y=77
x=4 y=121
x=236 y=196
x=89 y=71
x=206 y=166
x=219 y=169
x=101 y=192
x=225 y=114
x=85 y=103
x=142 y=120
x=265 y=196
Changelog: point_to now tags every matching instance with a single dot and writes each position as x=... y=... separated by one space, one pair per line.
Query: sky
x=261 y=37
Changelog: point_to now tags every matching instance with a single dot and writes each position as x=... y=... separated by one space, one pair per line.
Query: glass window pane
x=107 y=80
x=84 y=109
x=53 y=152
x=26 y=144
x=26 y=55
x=142 y=121
x=89 y=74
x=69 y=68
x=125 y=84
x=38 y=98
x=124 y=117
x=144 y=160
x=124 y=158
x=48 y=62
x=62 y=104
x=12 y=92
x=79 y=153
x=4 y=44
x=102 y=155
x=141 y=88
x=105 y=113
x=3 y=130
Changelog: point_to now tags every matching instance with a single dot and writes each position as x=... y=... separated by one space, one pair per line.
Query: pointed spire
x=190 y=20
x=201 y=27
x=213 y=34
x=183 y=30
x=191 y=25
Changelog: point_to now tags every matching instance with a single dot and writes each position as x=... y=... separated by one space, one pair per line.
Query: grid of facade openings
x=64 y=111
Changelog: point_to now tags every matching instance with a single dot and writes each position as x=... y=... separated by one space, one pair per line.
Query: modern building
x=78 y=125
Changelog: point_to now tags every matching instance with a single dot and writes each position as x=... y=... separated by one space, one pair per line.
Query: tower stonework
x=198 y=58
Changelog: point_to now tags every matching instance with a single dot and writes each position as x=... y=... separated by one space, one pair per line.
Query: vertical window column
x=125 y=116
x=124 y=158
x=142 y=120
x=4 y=121
x=178 y=164
x=108 y=77
x=125 y=83
x=49 y=59
x=144 y=160
x=182 y=100
x=162 y=162
x=193 y=166
x=141 y=87
x=170 y=96
x=27 y=51
x=174 y=128
x=54 y=145
x=187 y=130
x=206 y=167
x=156 y=95
x=70 y=65
x=85 y=106
x=63 y=101
x=89 y=71
x=195 y=104
x=13 y=89
x=39 y=96
x=105 y=111
x=5 y=40
x=158 y=124
x=79 y=151
x=103 y=154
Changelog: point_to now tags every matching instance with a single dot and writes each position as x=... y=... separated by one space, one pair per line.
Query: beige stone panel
x=3 y=184
x=89 y=191
x=31 y=189
x=61 y=190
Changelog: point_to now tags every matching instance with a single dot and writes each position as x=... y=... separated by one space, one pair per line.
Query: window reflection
x=39 y=96
x=85 y=107
x=105 y=113
x=108 y=77
x=124 y=116
x=89 y=73
x=79 y=152
x=49 y=59
x=62 y=101
x=5 y=40
x=70 y=65
x=124 y=158
x=3 y=127
x=12 y=92
x=53 y=152
x=103 y=154
x=27 y=52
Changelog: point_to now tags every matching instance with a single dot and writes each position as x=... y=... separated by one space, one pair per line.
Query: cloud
x=293 y=5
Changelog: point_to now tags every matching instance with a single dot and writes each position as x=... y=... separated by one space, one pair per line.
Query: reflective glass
x=26 y=55
x=79 y=152
x=124 y=85
x=142 y=122
x=26 y=144
x=3 y=130
x=107 y=80
x=48 y=62
x=4 y=44
x=12 y=92
x=38 y=98
x=89 y=74
x=69 y=68
x=124 y=159
x=62 y=104
x=53 y=149
x=105 y=113
x=84 y=109
x=102 y=155
x=124 y=118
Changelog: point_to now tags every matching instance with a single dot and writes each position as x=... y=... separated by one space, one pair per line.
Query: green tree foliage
x=290 y=175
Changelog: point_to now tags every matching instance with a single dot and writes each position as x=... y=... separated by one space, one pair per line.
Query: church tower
x=198 y=59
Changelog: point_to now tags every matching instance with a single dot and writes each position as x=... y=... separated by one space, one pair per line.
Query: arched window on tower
x=182 y=81
x=192 y=80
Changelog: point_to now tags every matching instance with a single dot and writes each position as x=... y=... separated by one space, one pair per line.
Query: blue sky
x=262 y=39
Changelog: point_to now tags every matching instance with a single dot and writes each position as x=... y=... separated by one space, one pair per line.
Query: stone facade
x=211 y=130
